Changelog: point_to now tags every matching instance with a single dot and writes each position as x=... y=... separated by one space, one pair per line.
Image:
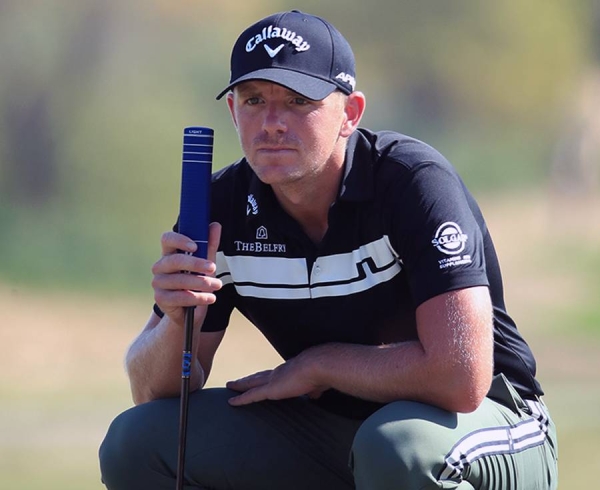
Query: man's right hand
x=181 y=280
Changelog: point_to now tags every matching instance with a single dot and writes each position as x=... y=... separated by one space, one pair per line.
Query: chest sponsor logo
x=259 y=247
x=261 y=233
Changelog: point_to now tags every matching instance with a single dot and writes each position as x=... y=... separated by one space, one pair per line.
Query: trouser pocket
x=503 y=392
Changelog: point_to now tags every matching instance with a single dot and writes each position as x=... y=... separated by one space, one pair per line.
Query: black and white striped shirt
x=403 y=229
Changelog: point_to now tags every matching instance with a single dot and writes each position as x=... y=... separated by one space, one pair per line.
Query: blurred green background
x=93 y=99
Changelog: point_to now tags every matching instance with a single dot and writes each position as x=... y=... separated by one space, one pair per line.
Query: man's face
x=285 y=136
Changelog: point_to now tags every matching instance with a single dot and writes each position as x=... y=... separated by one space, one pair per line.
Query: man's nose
x=274 y=118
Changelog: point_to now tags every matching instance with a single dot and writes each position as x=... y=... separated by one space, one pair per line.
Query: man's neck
x=309 y=202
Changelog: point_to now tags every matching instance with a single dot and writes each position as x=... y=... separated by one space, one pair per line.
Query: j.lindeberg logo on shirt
x=273 y=32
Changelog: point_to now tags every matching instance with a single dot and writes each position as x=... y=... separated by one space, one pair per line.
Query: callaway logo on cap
x=300 y=51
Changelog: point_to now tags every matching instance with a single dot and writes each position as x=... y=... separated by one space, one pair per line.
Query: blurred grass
x=66 y=247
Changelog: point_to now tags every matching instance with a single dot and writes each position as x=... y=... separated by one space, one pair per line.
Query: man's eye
x=300 y=101
x=252 y=100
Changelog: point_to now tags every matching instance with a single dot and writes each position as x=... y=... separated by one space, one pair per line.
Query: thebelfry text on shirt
x=259 y=247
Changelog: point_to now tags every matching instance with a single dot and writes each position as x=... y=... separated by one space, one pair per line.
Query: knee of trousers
x=401 y=446
x=134 y=441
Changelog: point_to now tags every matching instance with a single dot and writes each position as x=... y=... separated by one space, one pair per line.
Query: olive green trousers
x=507 y=443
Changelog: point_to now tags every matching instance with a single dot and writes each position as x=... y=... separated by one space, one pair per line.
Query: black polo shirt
x=403 y=229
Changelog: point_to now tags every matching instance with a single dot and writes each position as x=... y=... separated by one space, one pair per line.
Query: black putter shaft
x=185 y=393
x=194 y=216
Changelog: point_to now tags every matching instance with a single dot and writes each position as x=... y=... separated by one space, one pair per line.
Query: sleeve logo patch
x=449 y=239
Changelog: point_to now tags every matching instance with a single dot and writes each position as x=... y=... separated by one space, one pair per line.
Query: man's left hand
x=288 y=380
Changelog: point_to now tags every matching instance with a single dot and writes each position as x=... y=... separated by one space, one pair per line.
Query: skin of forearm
x=450 y=365
x=154 y=360
x=402 y=371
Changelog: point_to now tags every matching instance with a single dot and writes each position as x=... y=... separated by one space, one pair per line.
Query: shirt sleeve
x=219 y=313
x=436 y=232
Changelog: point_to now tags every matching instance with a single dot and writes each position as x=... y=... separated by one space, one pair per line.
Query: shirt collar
x=358 y=182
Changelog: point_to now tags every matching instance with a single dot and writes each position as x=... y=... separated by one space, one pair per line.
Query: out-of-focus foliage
x=497 y=61
x=94 y=95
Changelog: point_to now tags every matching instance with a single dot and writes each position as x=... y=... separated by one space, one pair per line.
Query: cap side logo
x=273 y=32
x=347 y=78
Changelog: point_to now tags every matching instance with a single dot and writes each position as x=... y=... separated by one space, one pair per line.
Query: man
x=366 y=263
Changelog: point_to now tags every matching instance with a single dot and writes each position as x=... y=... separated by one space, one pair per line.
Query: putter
x=194 y=218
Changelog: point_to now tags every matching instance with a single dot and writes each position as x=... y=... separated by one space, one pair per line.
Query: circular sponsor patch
x=449 y=239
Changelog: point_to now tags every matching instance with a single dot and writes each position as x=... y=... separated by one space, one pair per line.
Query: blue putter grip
x=194 y=208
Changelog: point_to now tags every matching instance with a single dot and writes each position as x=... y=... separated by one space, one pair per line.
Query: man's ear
x=230 y=104
x=354 y=109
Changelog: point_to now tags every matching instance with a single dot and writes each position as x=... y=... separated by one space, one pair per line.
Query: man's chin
x=274 y=174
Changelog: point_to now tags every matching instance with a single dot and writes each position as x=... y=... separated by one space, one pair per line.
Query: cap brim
x=305 y=85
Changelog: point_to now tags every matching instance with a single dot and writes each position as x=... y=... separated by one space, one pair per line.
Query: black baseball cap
x=300 y=51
